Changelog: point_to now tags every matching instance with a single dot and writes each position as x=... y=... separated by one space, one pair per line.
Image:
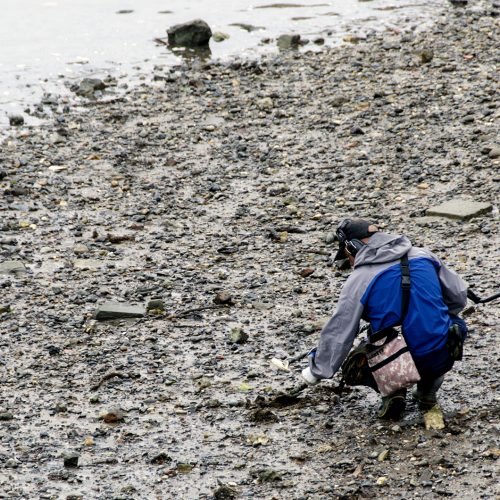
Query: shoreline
x=39 y=92
x=230 y=178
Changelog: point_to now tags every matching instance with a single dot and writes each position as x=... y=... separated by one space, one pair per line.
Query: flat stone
x=113 y=310
x=12 y=267
x=460 y=209
x=89 y=264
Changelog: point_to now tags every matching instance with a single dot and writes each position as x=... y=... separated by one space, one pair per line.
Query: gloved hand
x=306 y=372
x=309 y=377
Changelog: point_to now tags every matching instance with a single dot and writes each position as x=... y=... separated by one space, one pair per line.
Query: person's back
x=427 y=321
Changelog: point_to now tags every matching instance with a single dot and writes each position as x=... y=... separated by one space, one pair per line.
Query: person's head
x=352 y=235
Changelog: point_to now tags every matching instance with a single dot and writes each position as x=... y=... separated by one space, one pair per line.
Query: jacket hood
x=381 y=248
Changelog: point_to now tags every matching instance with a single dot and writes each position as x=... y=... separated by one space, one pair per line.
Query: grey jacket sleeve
x=339 y=333
x=453 y=287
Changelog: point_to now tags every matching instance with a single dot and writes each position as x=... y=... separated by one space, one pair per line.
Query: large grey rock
x=12 y=267
x=195 y=33
x=114 y=310
x=460 y=209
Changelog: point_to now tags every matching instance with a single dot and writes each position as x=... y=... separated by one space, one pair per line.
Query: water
x=44 y=43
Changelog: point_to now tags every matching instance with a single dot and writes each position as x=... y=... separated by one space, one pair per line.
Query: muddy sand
x=210 y=193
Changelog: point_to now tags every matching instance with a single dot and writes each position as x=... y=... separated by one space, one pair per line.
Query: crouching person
x=431 y=327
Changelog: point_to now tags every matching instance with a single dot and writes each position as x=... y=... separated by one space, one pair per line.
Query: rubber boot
x=393 y=406
x=425 y=394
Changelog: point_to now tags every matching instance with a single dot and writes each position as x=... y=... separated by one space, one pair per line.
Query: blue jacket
x=373 y=293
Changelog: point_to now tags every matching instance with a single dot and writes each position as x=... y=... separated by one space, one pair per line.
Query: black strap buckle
x=405 y=281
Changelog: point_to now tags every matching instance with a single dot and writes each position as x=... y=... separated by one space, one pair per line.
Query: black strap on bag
x=405 y=287
x=405 y=302
x=355 y=369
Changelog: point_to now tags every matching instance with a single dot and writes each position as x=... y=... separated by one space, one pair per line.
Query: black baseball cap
x=351 y=229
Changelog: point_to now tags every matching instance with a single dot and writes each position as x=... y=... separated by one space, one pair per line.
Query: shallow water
x=43 y=42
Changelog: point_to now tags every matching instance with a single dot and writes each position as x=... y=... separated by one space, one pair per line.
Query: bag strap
x=405 y=286
x=405 y=301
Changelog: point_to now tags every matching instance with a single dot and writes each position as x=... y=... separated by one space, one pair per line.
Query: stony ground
x=215 y=189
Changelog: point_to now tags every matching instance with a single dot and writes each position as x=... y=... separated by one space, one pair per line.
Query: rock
x=112 y=416
x=223 y=298
x=88 y=86
x=434 y=418
x=468 y=119
x=16 y=120
x=220 y=37
x=460 y=209
x=161 y=458
x=238 y=336
x=338 y=101
x=306 y=272
x=156 y=304
x=80 y=249
x=269 y=475
x=357 y=131
x=53 y=350
x=280 y=365
x=113 y=310
x=265 y=103
x=263 y=415
x=248 y=27
x=60 y=407
x=6 y=416
x=70 y=459
x=426 y=56
x=383 y=455
x=11 y=463
x=494 y=152
x=5 y=308
x=88 y=441
x=195 y=33
x=319 y=40
x=285 y=42
x=12 y=267
x=224 y=492
x=382 y=481
x=88 y=264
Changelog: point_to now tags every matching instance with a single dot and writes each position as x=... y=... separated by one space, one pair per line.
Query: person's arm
x=339 y=333
x=453 y=288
